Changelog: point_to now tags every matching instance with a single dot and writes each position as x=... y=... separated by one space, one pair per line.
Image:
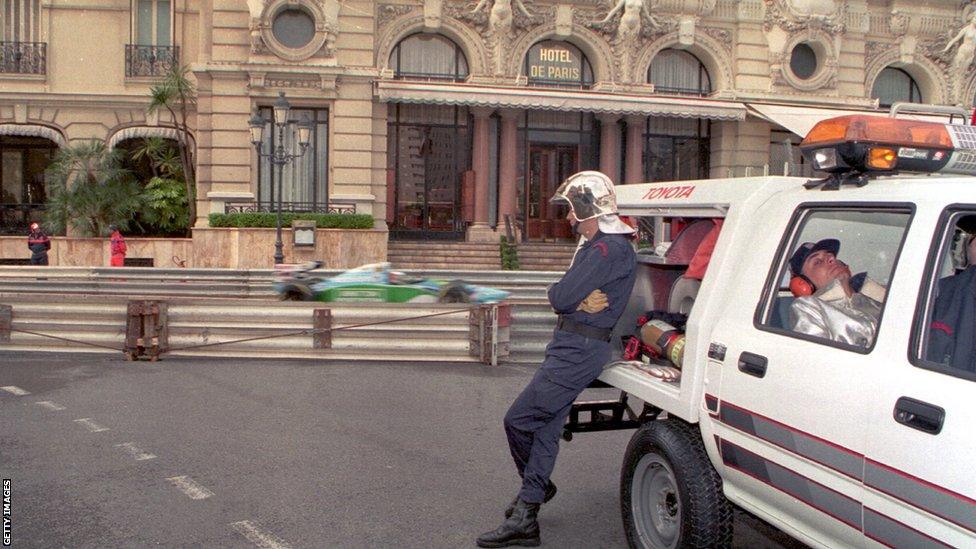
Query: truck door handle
x=916 y=414
x=752 y=364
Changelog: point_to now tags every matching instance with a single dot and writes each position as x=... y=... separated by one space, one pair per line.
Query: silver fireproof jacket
x=830 y=314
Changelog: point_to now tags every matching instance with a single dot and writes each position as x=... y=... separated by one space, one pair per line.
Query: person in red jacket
x=38 y=243
x=118 y=246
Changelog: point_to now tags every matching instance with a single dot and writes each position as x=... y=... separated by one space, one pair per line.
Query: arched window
x=557 y=64
x=428 y=57
x=677 y=71
x=894 y=85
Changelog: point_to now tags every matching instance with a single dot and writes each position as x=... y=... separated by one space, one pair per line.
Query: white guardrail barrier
x=248 y=328
x=532 y=320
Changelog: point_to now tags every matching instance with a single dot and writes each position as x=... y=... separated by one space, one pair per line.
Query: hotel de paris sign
x=554 y=62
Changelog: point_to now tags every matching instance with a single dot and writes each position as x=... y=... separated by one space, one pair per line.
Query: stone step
x=442 y=253
x=430 y=265
x=412 y=245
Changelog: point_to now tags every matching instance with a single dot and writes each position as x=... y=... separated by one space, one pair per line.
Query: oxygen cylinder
x=665 y=340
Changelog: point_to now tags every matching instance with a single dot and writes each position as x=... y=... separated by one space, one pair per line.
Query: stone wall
x=216 y=248
x=94 y=252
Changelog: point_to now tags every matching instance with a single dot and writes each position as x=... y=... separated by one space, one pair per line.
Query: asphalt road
x=230 y=453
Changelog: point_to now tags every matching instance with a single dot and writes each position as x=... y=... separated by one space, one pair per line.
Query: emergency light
x=863 y=143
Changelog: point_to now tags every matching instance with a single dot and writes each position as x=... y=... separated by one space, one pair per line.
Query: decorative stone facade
x=239 y=64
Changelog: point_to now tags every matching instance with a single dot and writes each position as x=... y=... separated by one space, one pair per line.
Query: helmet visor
x=589 y=194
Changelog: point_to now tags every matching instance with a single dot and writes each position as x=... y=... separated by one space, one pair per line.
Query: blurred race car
x=376 y=283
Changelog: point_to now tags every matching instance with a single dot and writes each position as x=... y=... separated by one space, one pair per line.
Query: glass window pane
x=677 y=71
x=12 y=191
x=162 y=23
x=803 y=61
x=894 y=85
x=293 y=27
x=429 y=56
x=869 y=242
x=144 y=22
x=946 y=342
x=304 y=180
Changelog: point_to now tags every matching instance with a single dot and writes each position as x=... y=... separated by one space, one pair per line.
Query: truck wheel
x=670 y=496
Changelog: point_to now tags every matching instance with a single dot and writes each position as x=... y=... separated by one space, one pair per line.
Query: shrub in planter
x=267 y=220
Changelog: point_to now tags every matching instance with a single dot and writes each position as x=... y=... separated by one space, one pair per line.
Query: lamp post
x=279 y=157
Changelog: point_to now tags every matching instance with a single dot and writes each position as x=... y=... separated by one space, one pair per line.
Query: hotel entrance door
x=549 y=165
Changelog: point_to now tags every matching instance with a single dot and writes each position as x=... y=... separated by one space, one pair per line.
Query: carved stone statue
x=967 y=48
x=501 y=16
x=633 y=14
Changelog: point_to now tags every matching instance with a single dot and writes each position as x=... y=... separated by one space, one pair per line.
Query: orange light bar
x=882 y=158
x=890 y=131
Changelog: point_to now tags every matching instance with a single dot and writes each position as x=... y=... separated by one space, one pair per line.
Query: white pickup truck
x=837 y=445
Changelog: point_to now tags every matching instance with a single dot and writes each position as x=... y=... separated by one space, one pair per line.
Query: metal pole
x=278 y=161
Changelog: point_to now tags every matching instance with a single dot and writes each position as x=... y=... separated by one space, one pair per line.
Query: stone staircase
x=477 y=256
x=545 y=256
x=454 y=256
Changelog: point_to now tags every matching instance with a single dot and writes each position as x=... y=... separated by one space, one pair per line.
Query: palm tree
x=90 y=190
x=177 y=93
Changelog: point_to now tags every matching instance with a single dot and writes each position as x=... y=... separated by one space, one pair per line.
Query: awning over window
x=398 y=91
x=33 y=130
x=800 y=120
x=136 y=132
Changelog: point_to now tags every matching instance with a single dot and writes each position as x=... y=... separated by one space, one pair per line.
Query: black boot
x=521 y=528
x=550 y=493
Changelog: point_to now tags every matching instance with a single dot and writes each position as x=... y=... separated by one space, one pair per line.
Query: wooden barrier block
x=322 y=323
x=146 y=331
x=6 y=322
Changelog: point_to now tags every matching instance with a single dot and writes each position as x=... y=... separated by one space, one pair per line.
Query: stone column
x=508 y=169
x=610 y=145
x=634 y=168
x=479 y=230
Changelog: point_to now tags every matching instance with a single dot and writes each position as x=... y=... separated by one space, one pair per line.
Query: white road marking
x=15 y=390
x=91 y=425
x=253 y=534
x=53 y=406
x=190 y=487
x=136 y=452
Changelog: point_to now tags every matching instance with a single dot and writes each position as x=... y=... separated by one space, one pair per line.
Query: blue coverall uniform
x=535 y=420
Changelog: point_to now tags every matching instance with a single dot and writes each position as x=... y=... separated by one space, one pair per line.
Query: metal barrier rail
x=139 y=281
x=227 y=328
x=532 y=319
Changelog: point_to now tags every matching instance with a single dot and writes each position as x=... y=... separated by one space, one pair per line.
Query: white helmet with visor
x=590 y=195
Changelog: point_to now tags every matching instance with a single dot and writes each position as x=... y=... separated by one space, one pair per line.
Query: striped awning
x=33 y=130
x=135 y=132
x=400 y=91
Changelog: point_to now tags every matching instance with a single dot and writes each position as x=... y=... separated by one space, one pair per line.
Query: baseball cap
x=34 y=226
x=801 y=254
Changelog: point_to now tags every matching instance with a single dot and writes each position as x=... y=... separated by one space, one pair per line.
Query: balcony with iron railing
x=23 y=57
x=142 y=61
x=333 y=207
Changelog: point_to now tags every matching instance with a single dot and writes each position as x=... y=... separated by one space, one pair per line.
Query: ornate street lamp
x=279 y=157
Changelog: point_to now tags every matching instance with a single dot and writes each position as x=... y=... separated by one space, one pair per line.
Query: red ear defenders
x=801 y=286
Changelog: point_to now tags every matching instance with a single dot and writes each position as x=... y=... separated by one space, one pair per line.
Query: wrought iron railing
x=23 y=57
x=150 y=60
x=290 y=207
x=16 y=218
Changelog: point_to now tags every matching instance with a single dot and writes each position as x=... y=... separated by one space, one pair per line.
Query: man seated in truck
x=827 y=304
x=953 y=318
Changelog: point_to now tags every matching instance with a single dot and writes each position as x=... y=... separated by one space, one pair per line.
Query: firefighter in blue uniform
x=589 y=300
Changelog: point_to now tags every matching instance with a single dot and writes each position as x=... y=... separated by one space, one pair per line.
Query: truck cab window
x=831 y=279
x=947 y=339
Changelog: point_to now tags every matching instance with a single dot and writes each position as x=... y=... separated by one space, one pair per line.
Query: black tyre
x=453 y=292
x=670 y=495
x=296 y=293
